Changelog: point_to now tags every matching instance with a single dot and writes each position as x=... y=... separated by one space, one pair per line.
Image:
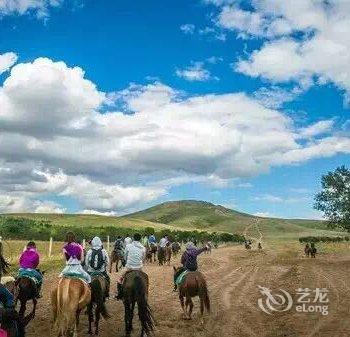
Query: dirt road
x=233 y=275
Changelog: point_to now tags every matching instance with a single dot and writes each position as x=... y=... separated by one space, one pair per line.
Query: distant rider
x=135 y=254
x=97 y=261
x=189 y=259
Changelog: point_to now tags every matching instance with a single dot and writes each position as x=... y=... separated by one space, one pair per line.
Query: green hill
x=192 y=214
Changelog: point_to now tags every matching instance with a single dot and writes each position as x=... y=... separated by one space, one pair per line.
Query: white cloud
x=7 y=60
x=48 y=207
x=188 y=28
x=195 y=72
x=54 y=140
x=265 y=215
x=39 y=7
x=94 y=212
x=316 y=129
x=306 y=41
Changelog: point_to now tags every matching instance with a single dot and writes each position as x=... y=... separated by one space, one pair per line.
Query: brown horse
x=161 y=255
x=98 y=300
x=68 y=299
x=136 y=291
x=26 y=290
x=193 y=285
x=151 y=252
x=168 y=252
x=116 y=258
x=175 y=248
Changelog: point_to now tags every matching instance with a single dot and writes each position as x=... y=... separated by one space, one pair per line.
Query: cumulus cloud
x=54 y=140
x=195 y=72
x=304 y=41
x=7 y=60
x=39 y=7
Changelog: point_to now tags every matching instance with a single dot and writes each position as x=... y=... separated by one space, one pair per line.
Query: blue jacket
x=6 y=298
x=189 y=258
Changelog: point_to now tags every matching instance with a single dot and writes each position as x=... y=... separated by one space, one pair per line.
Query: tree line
x=17 y=228
x=326 y=239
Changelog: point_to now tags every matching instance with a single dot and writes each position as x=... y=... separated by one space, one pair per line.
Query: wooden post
x=50 y=247
x=108 y=243
x=84 y=244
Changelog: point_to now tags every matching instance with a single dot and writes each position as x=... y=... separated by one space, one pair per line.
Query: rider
x=29 y=262
x=97 y=260
x=127 y=241
x=73 y=255
x=152 y=239
x=189 y=259
x=163 y=241
x=135 y=254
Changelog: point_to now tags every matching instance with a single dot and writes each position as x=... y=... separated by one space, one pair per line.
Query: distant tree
x=334 y=199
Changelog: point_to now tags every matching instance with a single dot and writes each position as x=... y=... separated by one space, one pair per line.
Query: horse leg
x=97 y=320
x=190 y=309
x=182 y=301
x=35 y=302
x=116 y=265
x=127 y=318
x=91 y=317
x=23 y=307
x=202 y=309
x=132 y=316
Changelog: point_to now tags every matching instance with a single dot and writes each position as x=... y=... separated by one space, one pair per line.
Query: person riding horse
x=97 y=261
x=135 y=254
x=188 y=261
x=73 y=255
x=29 y=263
x=163 y=243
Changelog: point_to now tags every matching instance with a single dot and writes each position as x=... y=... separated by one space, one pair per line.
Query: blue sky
x=111 y=106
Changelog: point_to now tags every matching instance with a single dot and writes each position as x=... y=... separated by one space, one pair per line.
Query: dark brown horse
x=136 y=291
x=151 y=252
x=176 y=247
x=161 y=255
x=117 y=258
x=193 y=285
x=26 y=290
x=168 y=253
x=98 y=301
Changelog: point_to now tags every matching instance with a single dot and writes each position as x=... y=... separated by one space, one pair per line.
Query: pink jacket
x=29 y=259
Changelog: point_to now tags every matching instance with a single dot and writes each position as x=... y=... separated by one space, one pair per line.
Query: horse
x=193 y=285
x=98 y=298
x=313 y=250
x=209 y=247
x=68 y=299
x=307 y=250
x=168 y=252
x=136 y=291
x=116 y=257
x=151 y=252
x=175 y=248
x=161 y=255
x=26 y=290
x=247 y=245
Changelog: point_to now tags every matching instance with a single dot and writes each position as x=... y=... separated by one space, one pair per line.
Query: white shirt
x=135 y=253
x=163 y=242
x=127 y=241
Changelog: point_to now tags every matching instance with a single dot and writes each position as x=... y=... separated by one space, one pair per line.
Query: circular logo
x=277 y=302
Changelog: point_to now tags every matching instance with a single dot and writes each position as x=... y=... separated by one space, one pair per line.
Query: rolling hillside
x=192 y=214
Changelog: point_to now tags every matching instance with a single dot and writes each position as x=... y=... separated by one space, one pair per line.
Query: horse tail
x=145 y=313
x=65 y=318
x=203 y=292
x=98 y=296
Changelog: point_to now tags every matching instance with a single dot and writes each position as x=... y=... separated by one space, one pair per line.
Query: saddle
x=29 y=274
x=181 y=278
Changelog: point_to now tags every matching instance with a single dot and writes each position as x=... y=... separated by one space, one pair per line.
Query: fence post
x=84 y=244
x=50 y=247
x=107 y=243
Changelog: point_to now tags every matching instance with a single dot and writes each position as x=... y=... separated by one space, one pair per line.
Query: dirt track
x=233 y=276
